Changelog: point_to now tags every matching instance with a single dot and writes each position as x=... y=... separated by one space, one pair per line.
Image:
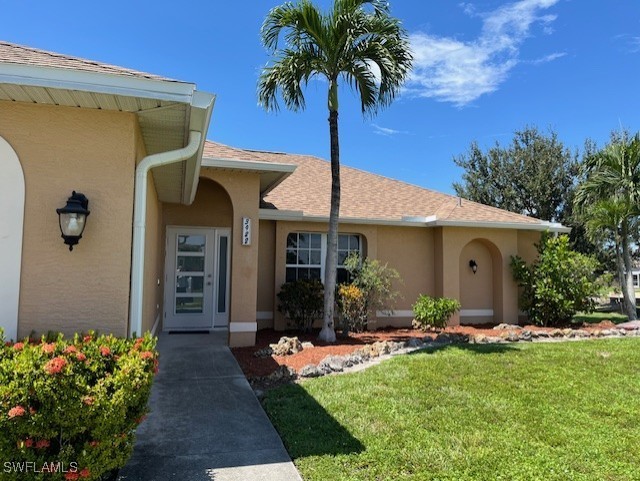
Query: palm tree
x=611 y=193
x=356 y=41
x=605 y=219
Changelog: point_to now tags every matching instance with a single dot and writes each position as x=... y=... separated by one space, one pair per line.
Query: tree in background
x=358 y=42
x=610 y=197
x=535 y=175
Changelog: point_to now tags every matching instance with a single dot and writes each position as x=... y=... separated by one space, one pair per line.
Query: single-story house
x=187 y=234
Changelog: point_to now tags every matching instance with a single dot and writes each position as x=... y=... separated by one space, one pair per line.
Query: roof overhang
x=167 y=111
x=271 y=174
x=412 y=221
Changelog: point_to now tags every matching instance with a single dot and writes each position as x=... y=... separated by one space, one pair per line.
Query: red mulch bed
x=257 y=367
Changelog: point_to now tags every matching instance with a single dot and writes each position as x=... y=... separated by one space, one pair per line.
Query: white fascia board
x=542 y=226
x=247 y=165
x=105 y=83
x=299 y=216
x=408 y=221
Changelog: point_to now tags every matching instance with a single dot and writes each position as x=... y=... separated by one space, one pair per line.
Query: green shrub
x=353 y=308
x=72 y=406
x=434 y=311
x=375 y=280
x=301 y=302
x=559 y=283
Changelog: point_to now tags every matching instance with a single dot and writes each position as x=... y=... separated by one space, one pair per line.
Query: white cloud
x=547 y=58
x=452 y=70
x=386 y=131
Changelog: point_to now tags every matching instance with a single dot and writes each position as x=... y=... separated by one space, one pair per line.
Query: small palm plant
x=358 y=42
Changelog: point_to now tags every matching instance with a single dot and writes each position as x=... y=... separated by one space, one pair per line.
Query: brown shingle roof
x=22 y=55
x=363 y=194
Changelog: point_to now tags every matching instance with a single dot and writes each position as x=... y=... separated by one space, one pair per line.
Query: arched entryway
x=11 y=224
x=198 y=260
x=480 y=274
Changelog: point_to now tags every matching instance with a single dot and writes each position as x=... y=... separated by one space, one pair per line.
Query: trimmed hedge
x=69 y=408
x=434 y=311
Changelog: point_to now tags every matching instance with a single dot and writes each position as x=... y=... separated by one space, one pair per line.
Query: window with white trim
x=636 y=280
x=307 y=251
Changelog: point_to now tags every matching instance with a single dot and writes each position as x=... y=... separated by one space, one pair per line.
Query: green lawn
x=595 y=317
x=544 y=411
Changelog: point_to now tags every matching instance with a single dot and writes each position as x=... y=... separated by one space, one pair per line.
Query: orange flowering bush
x=353 y=308
x=76 y=402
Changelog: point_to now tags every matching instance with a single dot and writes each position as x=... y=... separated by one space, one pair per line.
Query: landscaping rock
x=450 y=337
x=333 y=364
x=540 y=334
x=557 y=333
x=504 y=326
x=286 y=346
x=607 y=332
x=596 y=333
x=355 y=359
x=264 y=352
x=310 y=371
x=478 y=339
x=525 y=335
x=283 y=373
x=578 y=334
x=307 y=345
x=414 y=342
x=496 y=340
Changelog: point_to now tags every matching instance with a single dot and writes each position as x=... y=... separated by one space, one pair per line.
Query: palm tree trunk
x=328 y=334
x=628 y=291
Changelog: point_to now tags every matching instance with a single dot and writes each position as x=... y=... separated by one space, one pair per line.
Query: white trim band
x=476 y=312
x=264 y=315
x=243 y=326
x=398 y=313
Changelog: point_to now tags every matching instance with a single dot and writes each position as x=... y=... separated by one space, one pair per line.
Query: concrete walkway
x=205 y=422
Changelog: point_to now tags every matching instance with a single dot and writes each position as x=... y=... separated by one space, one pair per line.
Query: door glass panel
x=189 y=284
x=222 y=274
x=190 y=263
x=191 y=243
x=189 y=305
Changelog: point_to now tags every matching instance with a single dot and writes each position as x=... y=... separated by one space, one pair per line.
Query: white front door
x=196 y=278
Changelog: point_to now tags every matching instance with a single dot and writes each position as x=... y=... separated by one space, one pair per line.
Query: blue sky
x=483 y=70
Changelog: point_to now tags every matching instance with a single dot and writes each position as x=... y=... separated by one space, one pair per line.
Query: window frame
x=323 y=251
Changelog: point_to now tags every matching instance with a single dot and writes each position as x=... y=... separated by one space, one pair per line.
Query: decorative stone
x=310 y=371
x=504 y=326
x=333 y=364
x=283 y=373
x=478 y=339
x=264 y=352
x=540 y=334
x=557 y=333
x=286 y=346
x=525 y=335
x=512 y=337
x=414 y=342
x=307 y=345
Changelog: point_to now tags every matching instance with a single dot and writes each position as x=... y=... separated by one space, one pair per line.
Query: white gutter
x=140 y=217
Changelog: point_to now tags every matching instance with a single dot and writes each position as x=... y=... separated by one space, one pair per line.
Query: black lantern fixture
x=73 y=217
x=474 y=265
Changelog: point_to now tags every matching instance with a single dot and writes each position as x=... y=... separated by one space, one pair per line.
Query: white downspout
x=140 y=219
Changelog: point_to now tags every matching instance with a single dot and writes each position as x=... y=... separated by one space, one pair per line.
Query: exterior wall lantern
x=73 y=217
x=474 y=265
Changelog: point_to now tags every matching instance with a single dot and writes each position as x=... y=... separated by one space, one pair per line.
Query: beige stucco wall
x=502 y=243
x=476 y=290
x=211 y=207
x=92 y=151
x=266 y=273
x=243 y=189
x=409 y=250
